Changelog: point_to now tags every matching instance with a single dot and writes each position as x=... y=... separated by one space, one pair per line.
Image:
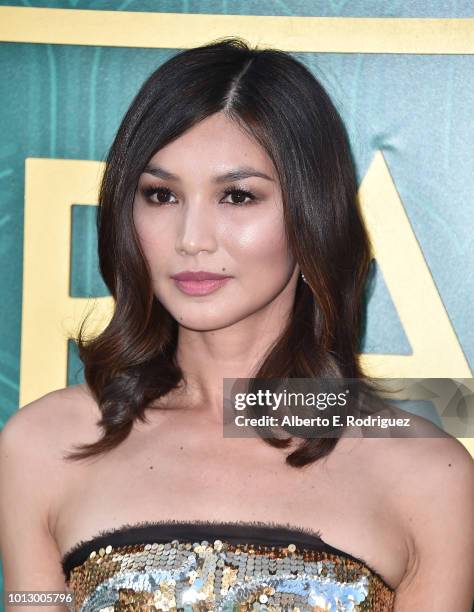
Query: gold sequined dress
x=225 y=567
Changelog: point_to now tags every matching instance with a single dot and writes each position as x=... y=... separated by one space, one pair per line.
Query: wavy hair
x=279 y=102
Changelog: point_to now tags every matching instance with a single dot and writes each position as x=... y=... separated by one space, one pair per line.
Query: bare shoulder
x=425 y=467
x=48 y=420
x=434 y=467
x=36 y=437
x=70 y=401
x=31 y=446
x=426 y=462
x=431 y=485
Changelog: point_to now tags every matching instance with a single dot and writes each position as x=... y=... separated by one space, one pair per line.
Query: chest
x=187 y=475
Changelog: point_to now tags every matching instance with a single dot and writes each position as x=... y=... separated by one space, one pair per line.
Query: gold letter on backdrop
x=436 y=349
x=49 y=314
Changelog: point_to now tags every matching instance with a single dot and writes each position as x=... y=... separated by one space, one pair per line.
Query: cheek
x=152 y=239
x=256 y=241
x=261 y=240
x=144 y=225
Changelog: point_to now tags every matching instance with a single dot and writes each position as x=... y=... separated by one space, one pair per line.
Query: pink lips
x=199 y=283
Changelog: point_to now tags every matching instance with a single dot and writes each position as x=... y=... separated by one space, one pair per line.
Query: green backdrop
x=66 y=101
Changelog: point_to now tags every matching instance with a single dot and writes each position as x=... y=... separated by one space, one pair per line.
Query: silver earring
x=304 y=278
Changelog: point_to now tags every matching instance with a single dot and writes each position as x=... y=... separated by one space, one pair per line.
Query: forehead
x=214 y=144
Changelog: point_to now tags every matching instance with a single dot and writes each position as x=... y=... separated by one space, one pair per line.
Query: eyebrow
x=233 y=175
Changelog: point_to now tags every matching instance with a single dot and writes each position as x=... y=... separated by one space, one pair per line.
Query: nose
x=196 y=228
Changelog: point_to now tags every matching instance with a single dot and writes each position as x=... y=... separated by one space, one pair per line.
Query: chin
x=202 y=324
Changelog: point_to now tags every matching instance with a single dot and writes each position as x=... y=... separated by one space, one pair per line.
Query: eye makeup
x=246 y=196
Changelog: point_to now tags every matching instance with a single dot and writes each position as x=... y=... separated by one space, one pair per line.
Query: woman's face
x=190 y=217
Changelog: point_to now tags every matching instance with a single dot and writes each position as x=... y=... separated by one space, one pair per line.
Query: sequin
x=224 y=577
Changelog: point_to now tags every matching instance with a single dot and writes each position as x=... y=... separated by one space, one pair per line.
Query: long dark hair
x=287 y=111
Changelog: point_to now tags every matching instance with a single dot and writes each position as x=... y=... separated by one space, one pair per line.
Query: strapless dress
x=224 y=567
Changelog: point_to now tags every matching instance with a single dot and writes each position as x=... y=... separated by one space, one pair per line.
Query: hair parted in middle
x=284 y=108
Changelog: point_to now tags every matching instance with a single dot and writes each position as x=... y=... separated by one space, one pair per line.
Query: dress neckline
x=254 y=532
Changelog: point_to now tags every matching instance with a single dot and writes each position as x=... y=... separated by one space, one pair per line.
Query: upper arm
x=30 y=557
x=440 y=518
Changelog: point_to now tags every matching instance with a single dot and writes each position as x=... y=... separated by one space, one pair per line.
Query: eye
x=241 y=195
x=160 y=192
x=161 y=195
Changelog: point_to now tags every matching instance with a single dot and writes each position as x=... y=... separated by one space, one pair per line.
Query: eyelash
x=151 y=191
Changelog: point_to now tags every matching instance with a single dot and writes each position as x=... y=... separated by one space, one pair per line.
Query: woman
x=232 y=162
